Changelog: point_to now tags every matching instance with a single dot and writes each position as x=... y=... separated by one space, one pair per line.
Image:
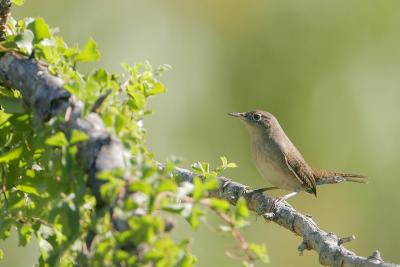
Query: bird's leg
x=282 y=198
x=286 y=197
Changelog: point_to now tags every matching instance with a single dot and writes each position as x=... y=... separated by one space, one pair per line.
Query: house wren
x=278 y=160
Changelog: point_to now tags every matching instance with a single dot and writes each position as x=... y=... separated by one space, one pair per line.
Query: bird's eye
x=256 y=117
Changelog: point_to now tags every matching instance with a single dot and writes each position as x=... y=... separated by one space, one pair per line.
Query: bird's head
x=257 y=122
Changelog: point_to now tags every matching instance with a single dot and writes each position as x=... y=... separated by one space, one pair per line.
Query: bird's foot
x=277 y=200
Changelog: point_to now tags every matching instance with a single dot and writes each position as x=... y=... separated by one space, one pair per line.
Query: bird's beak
x=237 y=114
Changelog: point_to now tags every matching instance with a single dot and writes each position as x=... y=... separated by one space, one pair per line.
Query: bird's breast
x=270 y=162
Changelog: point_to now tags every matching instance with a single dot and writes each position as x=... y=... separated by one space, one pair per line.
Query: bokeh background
x=329 y=70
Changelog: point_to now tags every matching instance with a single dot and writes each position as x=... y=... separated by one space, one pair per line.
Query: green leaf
x=194 y=218
x=211 y=182
x=12 y=105
x=24 y=41
x=201 y=167
x=119 y=122
x=241 y=208
x=5 y=225
x=57 y=140
x=18 y=2
x=24 y=235
x=198 y=188
x=127 y=67
x=158 y=88
x=28 y=189
x=30 y=173
x=105 y=175
x=70 y=221
x=231 y=165
x=100 y=76
x=48 y=52
x=188 y=260
x=260 y=251
x=78 y=136
x=167 y=185
x=225 y=165
x=121 y=255
x=4 y=117
x=173 y=208
x=224 y=161
x=11 y=155
x=137 y=100
x=73 y=87
x=141 y=186
x=219 y=204
x=89 y=52
x=39 y=29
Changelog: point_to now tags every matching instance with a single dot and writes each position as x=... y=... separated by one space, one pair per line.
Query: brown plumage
x=303 y=173
x=322 y=174
x=277 y=158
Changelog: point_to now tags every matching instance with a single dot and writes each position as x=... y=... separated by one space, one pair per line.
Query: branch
x=45 y=96
x=327 y=245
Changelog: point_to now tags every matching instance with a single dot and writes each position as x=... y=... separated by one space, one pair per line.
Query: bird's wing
x=302 y=173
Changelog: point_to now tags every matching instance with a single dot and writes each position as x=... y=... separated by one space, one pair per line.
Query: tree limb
x=44 y=95
x=327 y=245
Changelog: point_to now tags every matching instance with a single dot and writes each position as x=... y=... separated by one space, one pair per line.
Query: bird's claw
x=276 y=201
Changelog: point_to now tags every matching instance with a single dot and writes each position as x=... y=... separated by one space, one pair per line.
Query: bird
x=279 y=161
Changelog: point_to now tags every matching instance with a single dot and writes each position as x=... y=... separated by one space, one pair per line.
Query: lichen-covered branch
x=43 y=93
x=327 y=245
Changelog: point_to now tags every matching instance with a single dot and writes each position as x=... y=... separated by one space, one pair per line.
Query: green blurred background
x=329 y=71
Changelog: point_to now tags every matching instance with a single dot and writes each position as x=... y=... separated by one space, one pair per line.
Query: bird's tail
x=327 y=177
